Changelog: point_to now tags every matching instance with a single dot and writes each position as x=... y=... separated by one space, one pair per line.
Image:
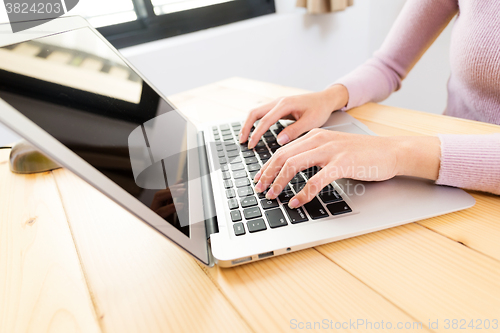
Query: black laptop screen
x=78 y=90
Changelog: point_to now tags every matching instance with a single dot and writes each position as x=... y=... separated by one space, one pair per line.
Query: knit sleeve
x=417 y=26
x=471 y=162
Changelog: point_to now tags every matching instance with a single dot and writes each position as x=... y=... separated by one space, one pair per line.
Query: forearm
x=418 y=156
x=335 y=96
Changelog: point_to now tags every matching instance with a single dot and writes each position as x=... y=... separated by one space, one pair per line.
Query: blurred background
x=183 y=44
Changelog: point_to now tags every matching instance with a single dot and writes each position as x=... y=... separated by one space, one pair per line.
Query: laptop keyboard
x=252 y=212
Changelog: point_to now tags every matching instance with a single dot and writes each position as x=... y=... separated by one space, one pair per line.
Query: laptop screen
x=78 y=90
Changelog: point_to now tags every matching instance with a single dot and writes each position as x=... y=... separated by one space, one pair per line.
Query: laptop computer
x=68 y=92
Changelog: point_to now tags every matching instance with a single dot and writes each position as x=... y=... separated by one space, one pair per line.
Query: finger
x=293 y=131
x=293 y=144
x=255 y=114
x=313 y=186
x=293 y=166
x=166 y=211
x=281 y=109
x=279 y=159
x=161 y=198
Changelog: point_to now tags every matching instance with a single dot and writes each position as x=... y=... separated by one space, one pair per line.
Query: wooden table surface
x=71 y=260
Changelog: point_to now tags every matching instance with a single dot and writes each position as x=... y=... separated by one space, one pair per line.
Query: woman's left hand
x=343 y=155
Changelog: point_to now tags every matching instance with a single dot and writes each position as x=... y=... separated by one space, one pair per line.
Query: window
x=130 y=22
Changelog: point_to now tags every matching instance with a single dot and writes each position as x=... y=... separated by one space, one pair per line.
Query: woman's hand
x=309 y=111
x=343 y=155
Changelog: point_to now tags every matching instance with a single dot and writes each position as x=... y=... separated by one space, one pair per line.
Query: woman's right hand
x=309 y=110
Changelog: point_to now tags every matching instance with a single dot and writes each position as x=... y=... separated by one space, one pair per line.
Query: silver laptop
x=68 y=92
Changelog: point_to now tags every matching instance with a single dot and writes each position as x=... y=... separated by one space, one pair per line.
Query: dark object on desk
x=25 y=159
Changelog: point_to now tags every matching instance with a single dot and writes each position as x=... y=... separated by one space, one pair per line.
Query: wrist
x=418 y=156
x=336 y=97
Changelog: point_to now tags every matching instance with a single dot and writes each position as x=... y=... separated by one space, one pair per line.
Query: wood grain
x=425 y=274
x=42 y=288
x=276 y=294
x=139 y=280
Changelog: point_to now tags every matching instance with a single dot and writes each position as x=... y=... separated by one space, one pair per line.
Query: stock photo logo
x=26 y=14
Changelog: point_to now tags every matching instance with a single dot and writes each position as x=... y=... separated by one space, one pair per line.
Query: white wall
x=294 y=49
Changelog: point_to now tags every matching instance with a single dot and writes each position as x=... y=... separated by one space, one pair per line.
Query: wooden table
x=72 y=260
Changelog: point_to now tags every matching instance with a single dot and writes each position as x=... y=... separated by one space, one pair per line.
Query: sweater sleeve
x=417 y=26
x=471 y=162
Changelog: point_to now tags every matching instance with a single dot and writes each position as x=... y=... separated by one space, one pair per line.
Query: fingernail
x=270 y=194
x=258 y=187
x=241 y=141
x=294 y=203
x=283 y=139
x=257 y=177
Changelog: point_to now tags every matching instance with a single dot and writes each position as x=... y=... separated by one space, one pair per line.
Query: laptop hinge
x=211 y=225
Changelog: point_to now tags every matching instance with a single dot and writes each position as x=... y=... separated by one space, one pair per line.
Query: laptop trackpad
x=347 y=128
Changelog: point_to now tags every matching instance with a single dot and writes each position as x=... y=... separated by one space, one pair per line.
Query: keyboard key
x=245 y=191
x=239 y=229
x=273 y=145
x=222 y=160
x=224 y=168
x=275 y=218
x=261 y=150
x=235 y=160
x=328 y=188
x=296 y=215
x=268 y=204
x=253 y=167
x=226 y=175
x=232 y=147
x=233 y=153
x=228 y=138
x=315 y=209
x=239 y=174
x=252 y=213
x=285 y=197
x=230 y=193
x=256 y=225
x=244 y=147
x=298 y=187
x=260 y=144
x=225 y=131
x=248 y=154
x=237 y=167
x=252 y=174
x=221 y=154
x=236 y=216
x=311 y=171
x=339 y=208
x=228 y=183
x=233 y=203
x=274 y=149
x=219 y=147
x=248 y=202
x=215 y=129
x=251 y=160
x=265 y=155
x=235 y=124
x=224 y=127
x=329 y=197
x=297 y=179
x=264 y=161
x=262 y=195
x=268 y=134
x=242 y=182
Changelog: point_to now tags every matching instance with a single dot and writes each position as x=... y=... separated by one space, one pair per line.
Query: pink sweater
x=468 y=161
